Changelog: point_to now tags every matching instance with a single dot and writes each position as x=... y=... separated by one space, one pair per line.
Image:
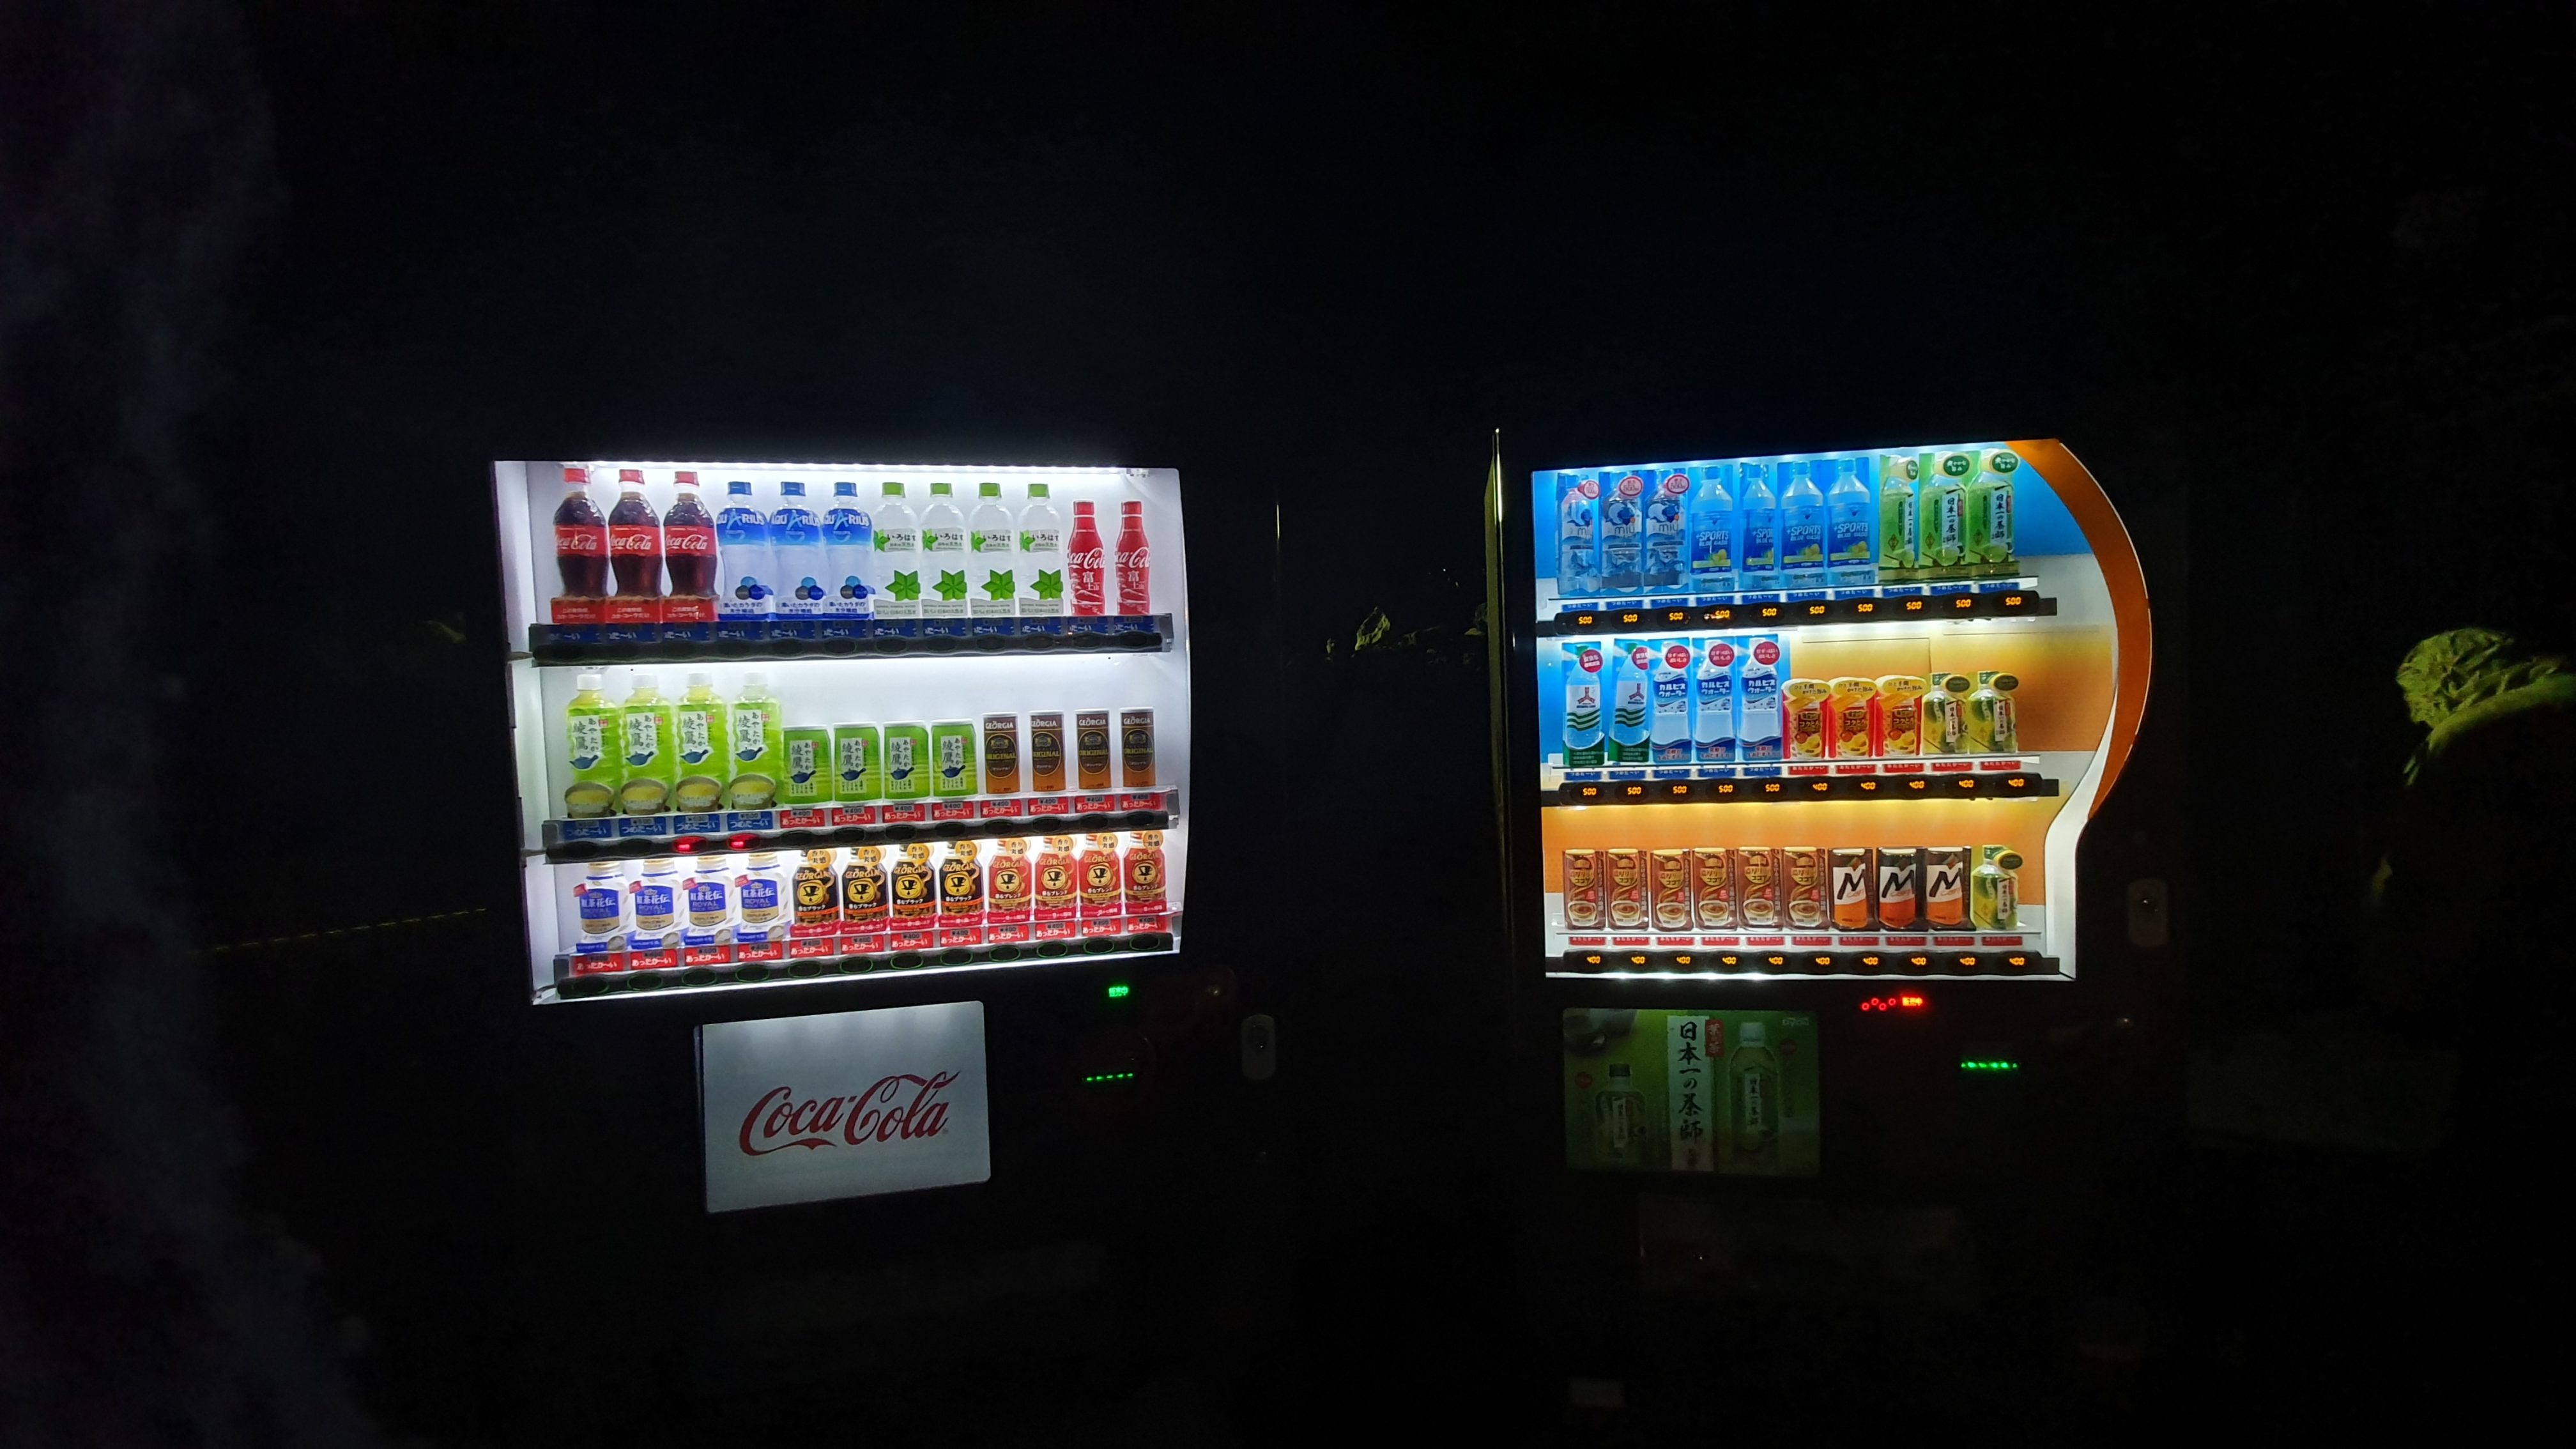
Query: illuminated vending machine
x=1797 y=754
x=831 y=760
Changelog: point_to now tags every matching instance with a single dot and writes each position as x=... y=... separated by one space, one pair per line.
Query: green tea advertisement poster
x=1692 y=1091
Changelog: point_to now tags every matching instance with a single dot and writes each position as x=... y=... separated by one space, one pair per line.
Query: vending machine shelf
x=1792 y=789
x=780 y=964
x=1597 y=963
x=1963 y=601
x=635 y=837
x=582 y=645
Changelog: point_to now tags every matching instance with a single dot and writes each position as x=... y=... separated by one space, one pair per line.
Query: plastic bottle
x=760 y=899
x=707 y=901
x=635 y=539
x=581 y=540
x=1990 y=514
x=898 y=570
x=1667 y=537
x=655 y=907
x=1802 y=531
x=1618 y=1119
x=849 y=548
x=993 y=585
x=796 y=539
x=689 y=541
x=747 y=572
x=1994 y=889
x=1712 y=533
x=645 y=743
x=1753 y=1093
x=591 y=751
x=759 y=740
x=1041 y=554
x=702 y=745
x=1135 y=562
x=1941 y=516
x=943 y=556
x=1758 y=567
x=1623 y=501
x=1896 y=541
x=599 y=907
x=1086 y=565
x=1849 y=529
x=1578 y=546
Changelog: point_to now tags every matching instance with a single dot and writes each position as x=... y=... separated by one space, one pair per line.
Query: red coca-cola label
x=641 y=540
x=901 y=1106
x=581 y=539
x=568 y=610
x=1135 y=573
x=689 y=540
x=1084 y=560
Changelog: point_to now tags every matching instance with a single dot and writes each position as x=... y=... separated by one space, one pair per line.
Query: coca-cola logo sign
x=801 y=1109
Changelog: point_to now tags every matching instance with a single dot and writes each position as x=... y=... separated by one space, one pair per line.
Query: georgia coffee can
x=1802 y=896
x=1670 y=889
x=1583 y=890
x=1713 y=889
x=1757 y=885
x=1626 y=893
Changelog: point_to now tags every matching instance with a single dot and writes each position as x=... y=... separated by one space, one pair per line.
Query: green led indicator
x=1989 y=1066
x=1117 y=989
x=1111 y=1077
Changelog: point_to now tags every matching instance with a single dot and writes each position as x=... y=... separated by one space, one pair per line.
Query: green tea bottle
x=644 y=743
x=759 y=741
x=1941 y=517
x=1619 y=1121
x=1990 y=515
x=590 y=752
x=1753 y=1095
x=1896 y=527
x=1992 y=729
x=700 y=730
x=1994 y=889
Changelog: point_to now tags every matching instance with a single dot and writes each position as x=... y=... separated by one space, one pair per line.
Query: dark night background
x=282 y=280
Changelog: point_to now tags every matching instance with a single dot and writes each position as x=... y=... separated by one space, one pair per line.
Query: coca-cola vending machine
x=854 y=839
x=1802 y=757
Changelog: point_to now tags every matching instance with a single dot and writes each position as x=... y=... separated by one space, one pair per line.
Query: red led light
x=1907 y=1001
x=740 y=842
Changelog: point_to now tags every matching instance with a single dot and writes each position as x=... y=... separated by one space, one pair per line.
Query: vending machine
x=1796 y=756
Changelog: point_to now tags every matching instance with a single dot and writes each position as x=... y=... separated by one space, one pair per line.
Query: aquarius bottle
x=1759 y=565
x=1849 y=529
x=1802 y=530
x=1712 y=533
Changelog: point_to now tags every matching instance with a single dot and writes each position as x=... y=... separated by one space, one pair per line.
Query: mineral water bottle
x=849 y=549
x=1578 y=550
x=796 y=540
x=898 y=549
x=1759 y=565
x=1041 y=566
x=993 y=587
x=1667 y=540
x=1712 y=533
x=1802 y=531
x=748 y=571
x=1623 y=501
x=1849 y=528
x=943 y=556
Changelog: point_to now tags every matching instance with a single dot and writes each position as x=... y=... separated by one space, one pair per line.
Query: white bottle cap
x=755 y=680
x=661 y=865
x=587 y=681
x=698 y=677
x=645 y=682
x=1749 y=1033
x=607 y=869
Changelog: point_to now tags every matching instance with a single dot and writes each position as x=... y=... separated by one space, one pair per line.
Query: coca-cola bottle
x=1135 y=562
x=689 y=542
x=635 y=539
x=581 y=539
x=1084 y=562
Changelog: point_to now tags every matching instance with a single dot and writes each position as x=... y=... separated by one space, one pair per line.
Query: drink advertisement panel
x=849 y=1104
x=1730 y=1092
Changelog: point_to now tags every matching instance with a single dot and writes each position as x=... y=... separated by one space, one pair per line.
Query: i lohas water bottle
x=849 y=551
x=1623 y=501
x=1578 y=546
x=943 y=561
x=1666 y=538
x=1758 y=567
x=746 y=570
x=1802 y=531
x=992 y=541
x=1850 y=528
x=796 y=537
x=1041 y=566
x=897 y=579
x=1712 y=534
